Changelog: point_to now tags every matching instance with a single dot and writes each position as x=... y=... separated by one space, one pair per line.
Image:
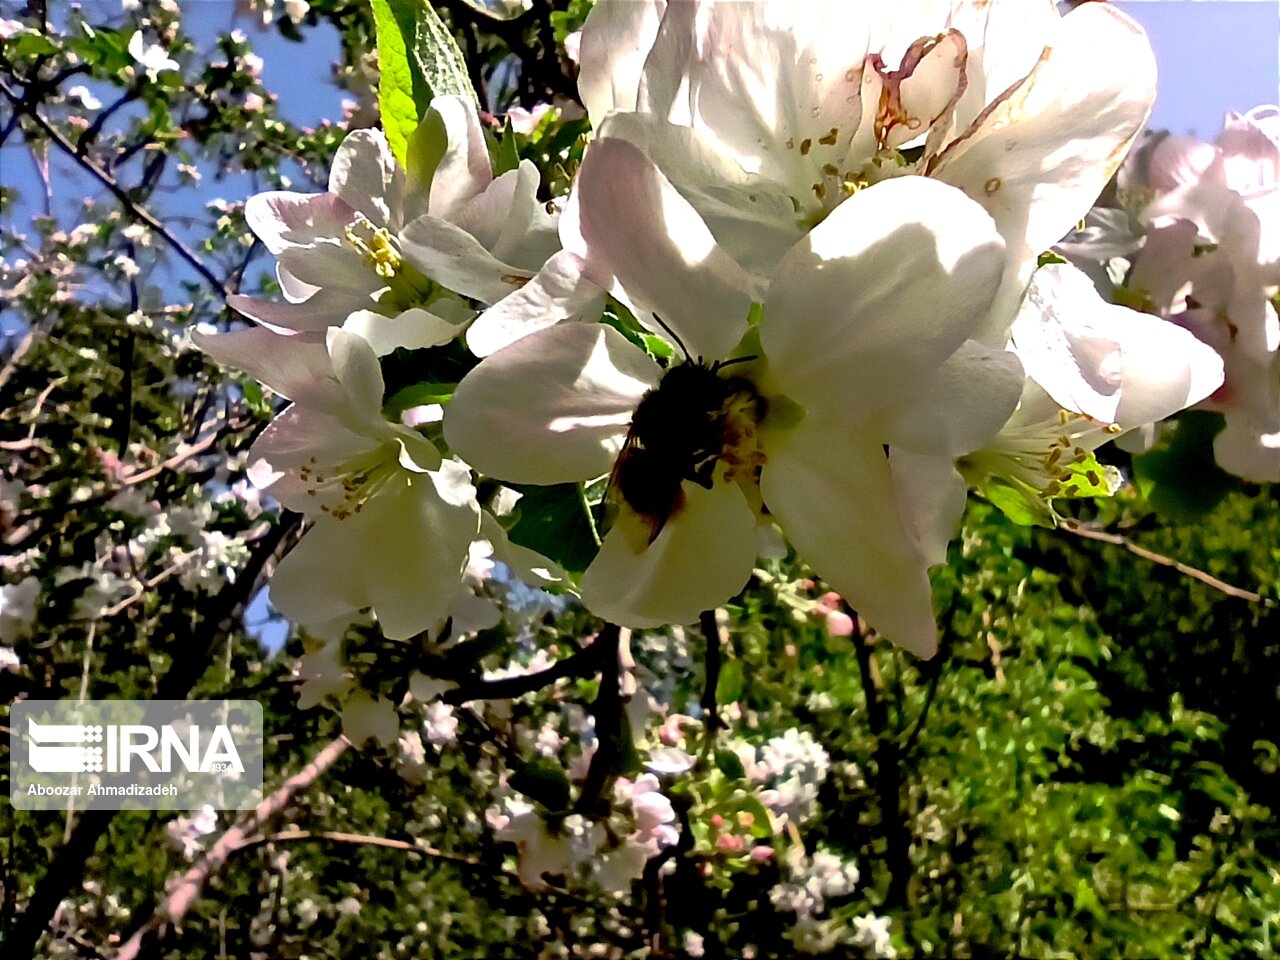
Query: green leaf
x=544 y=781
x=394 y=22
x=505 y=155
x=731 y=683
x=415 y=395
x=419 y=60
x=730 y=764
x=553 y=521
x=31 y=45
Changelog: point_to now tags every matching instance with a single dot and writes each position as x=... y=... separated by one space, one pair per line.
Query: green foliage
x=419 y=59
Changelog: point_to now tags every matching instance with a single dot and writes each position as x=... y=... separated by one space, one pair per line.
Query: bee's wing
x=611 y=503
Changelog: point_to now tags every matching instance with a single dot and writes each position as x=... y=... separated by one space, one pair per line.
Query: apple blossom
x=393 y=520
x=859 y=316
x=767 y=115
x=388 y=253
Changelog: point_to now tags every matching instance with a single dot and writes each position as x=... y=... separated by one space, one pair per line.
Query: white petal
x=510 y=221
x=558 y=292
x=458 y=261
x=553 y=407
x=414 y=329
x=833 y=494
x=283 y=219
x=402 y=555
x=960 y=407
x=702 y=557
x=365 y=175
x=327 y=308
x=932 y=496
x=356 y=367
x=302 y=437
x=1245 y=450
x=296 y=366
x=1108 y=362
x=879 y=294
x=464 y=170
x=664 y=260
x=1039 y=158
x=616 y=38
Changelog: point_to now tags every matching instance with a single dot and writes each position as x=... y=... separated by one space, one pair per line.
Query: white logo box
x=135 y=754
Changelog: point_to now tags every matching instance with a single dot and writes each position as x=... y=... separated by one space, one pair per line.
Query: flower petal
x=643 y=241
x=834 y=495
x=1108 y=362
x=702 y=557
x=616 y=38
x=1038 y=158
x=282 y=219
x=557 y=292
x=296 y=366
x=879 y=294
x=366 y=177
x=414 y=329
x=402 y=555
x=554 y=407
x=464 y=170
x=326 y=308
x=962 y=406
x=455 y=259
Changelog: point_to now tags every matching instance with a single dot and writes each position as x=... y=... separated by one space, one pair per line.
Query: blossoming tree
x=687 y=442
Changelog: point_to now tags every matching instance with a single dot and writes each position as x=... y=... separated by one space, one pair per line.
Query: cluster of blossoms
x=817 y=236
x=1191 y=233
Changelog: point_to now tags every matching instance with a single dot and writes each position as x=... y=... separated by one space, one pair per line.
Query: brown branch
x=183 y=895
x=1208 y=579
x=138 y=213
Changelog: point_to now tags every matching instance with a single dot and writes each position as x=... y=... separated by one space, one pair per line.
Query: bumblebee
x=681 y=429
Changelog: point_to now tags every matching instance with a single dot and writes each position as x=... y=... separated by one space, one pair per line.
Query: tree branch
x=135 y=211
x=183 y=895
x=1208 y=579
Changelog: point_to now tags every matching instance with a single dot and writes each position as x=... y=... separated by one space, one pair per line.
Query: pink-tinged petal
x=464 y=170
x=509 y=220
x=1108 y=362
x=296 y=366
x=282 y=219
x=458 y=261
x=328 y=307
x=328 y=266
x=301 y=438
x=702 y=557
x=871 y=302
x=642 y=240
x=402 y=555
x=833 y=494
x=558 y=292
x=1244 y=449
x=962 y=406
x=1039 y=157
x=616 y=38
x=554 y=407
x=414 y=329
x=366 y=177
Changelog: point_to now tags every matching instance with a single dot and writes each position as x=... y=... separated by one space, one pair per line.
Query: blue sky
x=1213 y=55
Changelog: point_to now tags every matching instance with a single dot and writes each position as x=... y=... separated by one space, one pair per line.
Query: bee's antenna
x=721 y=364
x=672 y=334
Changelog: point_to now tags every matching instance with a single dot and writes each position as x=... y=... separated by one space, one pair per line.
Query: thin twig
x=183 y=895
x=1208 y=579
